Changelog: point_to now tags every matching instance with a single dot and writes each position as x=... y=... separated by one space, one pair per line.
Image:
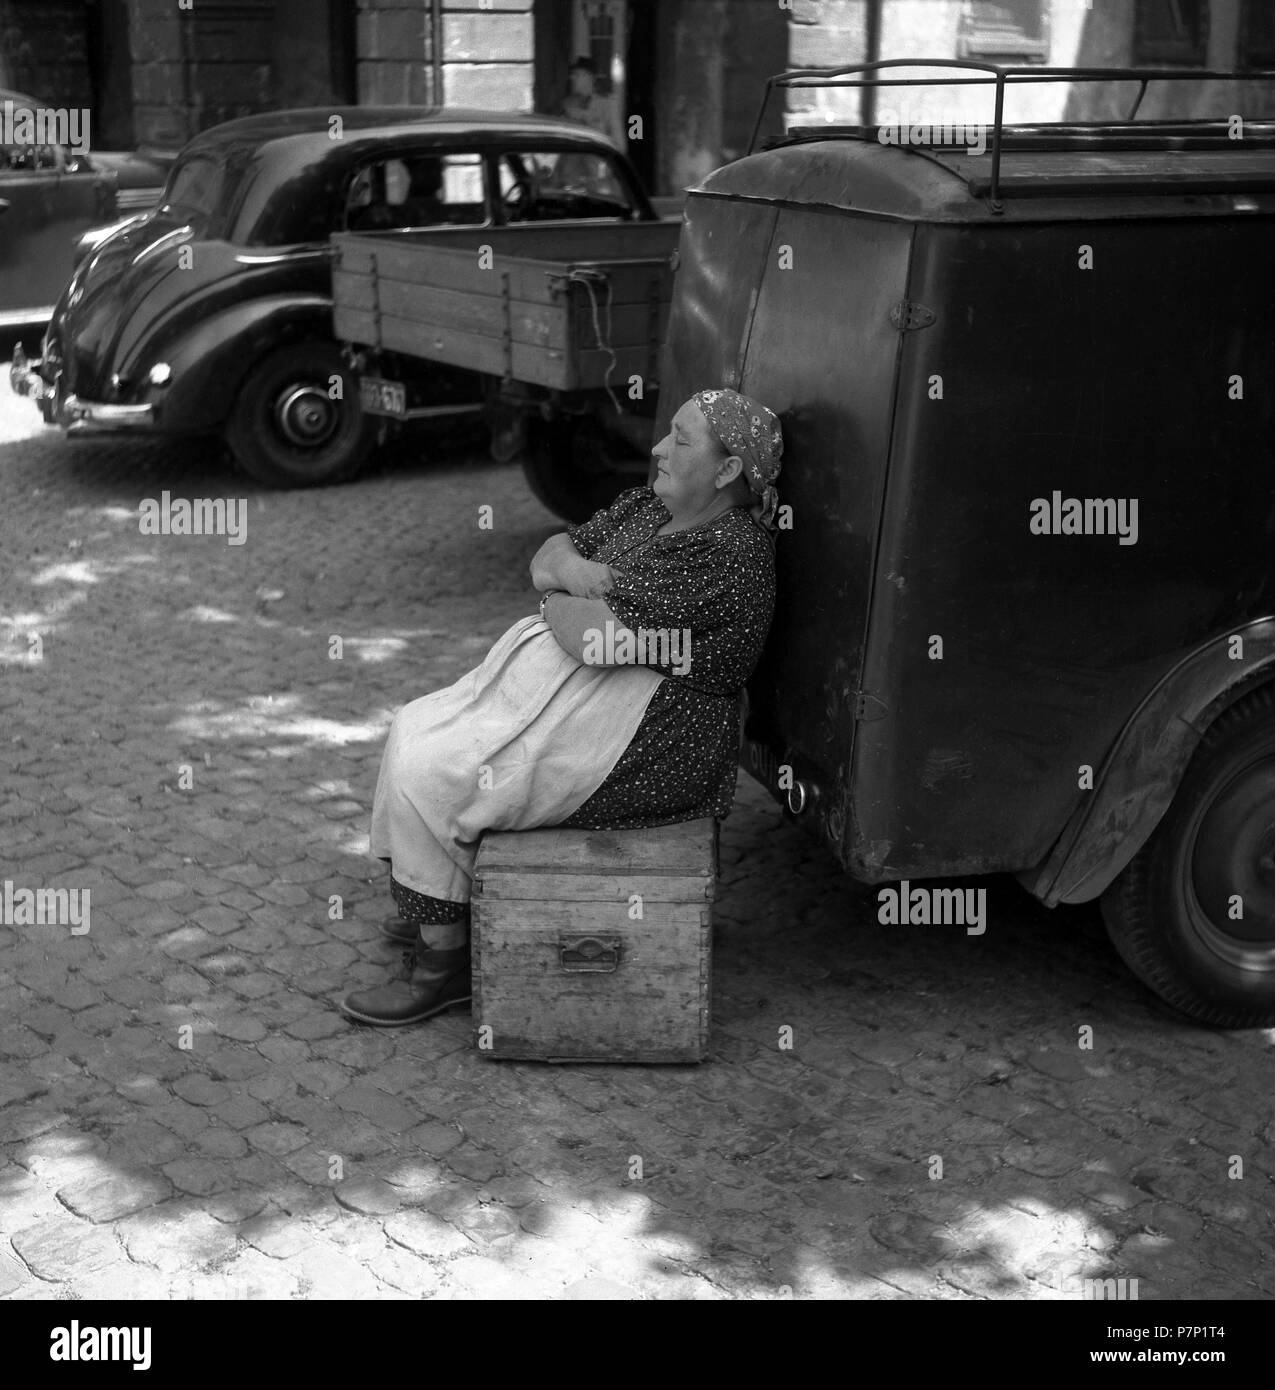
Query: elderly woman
x=617 y=707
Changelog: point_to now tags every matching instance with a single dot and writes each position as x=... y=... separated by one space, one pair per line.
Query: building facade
x=686 y=76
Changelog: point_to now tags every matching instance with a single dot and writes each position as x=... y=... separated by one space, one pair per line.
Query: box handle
x=595 y=953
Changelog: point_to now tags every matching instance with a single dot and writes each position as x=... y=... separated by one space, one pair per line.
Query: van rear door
x=793 y=305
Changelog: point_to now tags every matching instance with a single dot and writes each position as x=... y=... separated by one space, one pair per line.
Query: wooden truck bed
x=519 y=303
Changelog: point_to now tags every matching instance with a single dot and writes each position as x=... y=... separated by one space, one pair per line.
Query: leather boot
x=434 y=980
x=399 y=932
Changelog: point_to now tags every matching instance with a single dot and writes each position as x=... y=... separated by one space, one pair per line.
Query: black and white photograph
x=637 y=662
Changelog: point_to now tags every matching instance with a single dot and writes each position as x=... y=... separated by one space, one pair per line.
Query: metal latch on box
x=596 y=953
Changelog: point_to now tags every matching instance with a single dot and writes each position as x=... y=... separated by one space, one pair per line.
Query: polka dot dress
x=420 y=910
x=717 y=583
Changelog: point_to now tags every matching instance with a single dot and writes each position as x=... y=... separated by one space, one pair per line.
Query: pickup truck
x=561 y=327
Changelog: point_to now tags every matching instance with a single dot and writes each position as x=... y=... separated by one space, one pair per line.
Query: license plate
x=380 y=397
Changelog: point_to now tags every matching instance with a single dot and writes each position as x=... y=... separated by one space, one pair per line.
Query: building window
x=1257 y=35
x=1014 y=32
x=1170 y=31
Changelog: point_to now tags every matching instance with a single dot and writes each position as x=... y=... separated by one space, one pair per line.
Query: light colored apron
x=521 y=741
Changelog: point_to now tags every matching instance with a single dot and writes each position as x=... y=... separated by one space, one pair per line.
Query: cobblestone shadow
x=889 y=1112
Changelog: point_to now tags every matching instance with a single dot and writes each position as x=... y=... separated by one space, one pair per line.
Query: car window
x=538 y=186
x=194 y=186
x=417 y=191
x=28 y=158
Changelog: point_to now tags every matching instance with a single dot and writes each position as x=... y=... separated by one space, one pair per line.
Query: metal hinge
x=908 y=314
x=868 y=707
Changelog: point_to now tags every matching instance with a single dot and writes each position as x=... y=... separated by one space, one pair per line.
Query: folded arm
x=559 y=565
x=580 y=625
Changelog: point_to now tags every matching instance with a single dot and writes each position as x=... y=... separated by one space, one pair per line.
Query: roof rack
x=994 y=74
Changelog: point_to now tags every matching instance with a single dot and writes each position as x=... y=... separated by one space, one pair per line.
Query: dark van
x=1026 y=618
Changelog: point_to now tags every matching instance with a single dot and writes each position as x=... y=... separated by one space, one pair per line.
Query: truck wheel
x=286 y=430
x=1193 y=915
x=574 y=466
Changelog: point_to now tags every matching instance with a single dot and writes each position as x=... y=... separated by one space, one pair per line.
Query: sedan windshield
x=539 y=186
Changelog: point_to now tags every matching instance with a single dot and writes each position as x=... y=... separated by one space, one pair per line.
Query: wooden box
x=594 y=945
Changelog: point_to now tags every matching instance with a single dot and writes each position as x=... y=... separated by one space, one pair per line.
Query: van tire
x=285 y=430
x=574 y=466
x=1168 y=913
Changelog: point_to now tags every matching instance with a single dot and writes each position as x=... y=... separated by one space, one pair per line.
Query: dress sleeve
x=605 y=522
x=719 y=595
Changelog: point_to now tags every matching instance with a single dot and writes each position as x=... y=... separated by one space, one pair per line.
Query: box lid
x=686 y=849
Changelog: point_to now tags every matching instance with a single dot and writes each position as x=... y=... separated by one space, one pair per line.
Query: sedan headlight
x=160 y=374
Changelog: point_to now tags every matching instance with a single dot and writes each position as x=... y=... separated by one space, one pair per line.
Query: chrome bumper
x=72 y=413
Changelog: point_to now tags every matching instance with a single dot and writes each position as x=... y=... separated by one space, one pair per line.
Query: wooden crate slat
x=630 y=326
x=452 y=261
x=651 y=936
x=628 y=284
x=533 y=884
x=544 y=366
x=552 y=241
x=459 y=269
x=684 y=848
x=536 y=325
x=432 y=307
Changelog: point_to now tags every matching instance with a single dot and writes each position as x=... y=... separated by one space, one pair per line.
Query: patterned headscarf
x=748 y=429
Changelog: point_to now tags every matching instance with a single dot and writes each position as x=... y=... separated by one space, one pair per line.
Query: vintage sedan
x=51 y=196
x=212 y=314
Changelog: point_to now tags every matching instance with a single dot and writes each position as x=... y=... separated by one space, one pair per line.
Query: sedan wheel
x=1194 y=913
x=293 y=426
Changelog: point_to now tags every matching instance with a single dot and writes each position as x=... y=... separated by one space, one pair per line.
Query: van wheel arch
x=1169 y=912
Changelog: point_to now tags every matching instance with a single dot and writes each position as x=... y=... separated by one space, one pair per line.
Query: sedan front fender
x=210 y=360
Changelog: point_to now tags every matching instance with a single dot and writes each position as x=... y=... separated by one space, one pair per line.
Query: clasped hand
x=559 y=565
x=590 y=579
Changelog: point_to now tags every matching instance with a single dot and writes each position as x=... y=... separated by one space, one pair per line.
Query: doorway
x=619 y=35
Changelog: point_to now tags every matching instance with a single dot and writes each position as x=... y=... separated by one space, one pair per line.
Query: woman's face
x=689 y=463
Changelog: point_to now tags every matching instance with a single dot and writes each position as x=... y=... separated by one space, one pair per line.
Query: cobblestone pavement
x=186 y=1114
